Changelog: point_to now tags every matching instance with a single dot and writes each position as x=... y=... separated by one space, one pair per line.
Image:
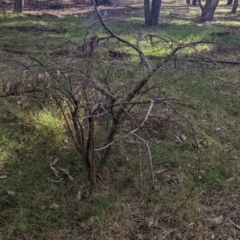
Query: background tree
x=194 y=2
x=18 y=6
x=101 y=2
x=152 y=12
x=208 y=10
x=229 y=2
x=235 y=6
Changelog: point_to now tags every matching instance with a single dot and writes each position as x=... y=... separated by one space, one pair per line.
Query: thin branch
x=181 y=114
x=234 y=224
x=184 y=202
x=132 y=132
x=139 y=155
x=150 y=156
x=36 y=60
x=194 y=130
x=136 y=48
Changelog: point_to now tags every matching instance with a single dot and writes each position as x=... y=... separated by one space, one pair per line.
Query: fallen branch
x=222 y=61
x=10 y=94
x=17 y=51
x=214 y=60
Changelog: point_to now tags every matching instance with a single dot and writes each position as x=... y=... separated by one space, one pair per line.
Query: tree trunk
x=208 y=10
x=18 y=6
x=194 y=2
x=101 y=2
x=235 y=6
x=147 y=12
x=229 y=2
x=106 y=2
x=156 y=5
x=152 y=13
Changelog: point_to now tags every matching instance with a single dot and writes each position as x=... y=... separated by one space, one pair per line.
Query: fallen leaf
x=54 y=162
x=161 y=170
x=140 y=236
x=66 y=172
x=11 y=193
x=217 y=220
x=79 y=193
x=183 y=137
x=149 y=221
x=54 y=206
x=55 y=171
x=177 y=138
x=3 y=176
x=156 y=222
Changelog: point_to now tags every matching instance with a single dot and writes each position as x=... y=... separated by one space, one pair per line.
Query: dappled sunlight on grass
x=193 y=136
x=48 y=126
x=229 y=23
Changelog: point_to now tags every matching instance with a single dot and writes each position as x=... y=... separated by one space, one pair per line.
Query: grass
x=39 y=200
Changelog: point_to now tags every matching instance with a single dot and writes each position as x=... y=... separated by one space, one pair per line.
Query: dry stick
x=234 y=224
x=222 y=61
x=36 y=60
x=17 y=51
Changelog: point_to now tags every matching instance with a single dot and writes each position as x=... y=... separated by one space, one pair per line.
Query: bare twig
x=149 y=154
x=132 y=132
x=184 y=202
x=139 y=157
x=234 y=224
x=136 y=48
x=36 y=60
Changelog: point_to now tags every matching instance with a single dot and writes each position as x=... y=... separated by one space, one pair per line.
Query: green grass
x=37 y=203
